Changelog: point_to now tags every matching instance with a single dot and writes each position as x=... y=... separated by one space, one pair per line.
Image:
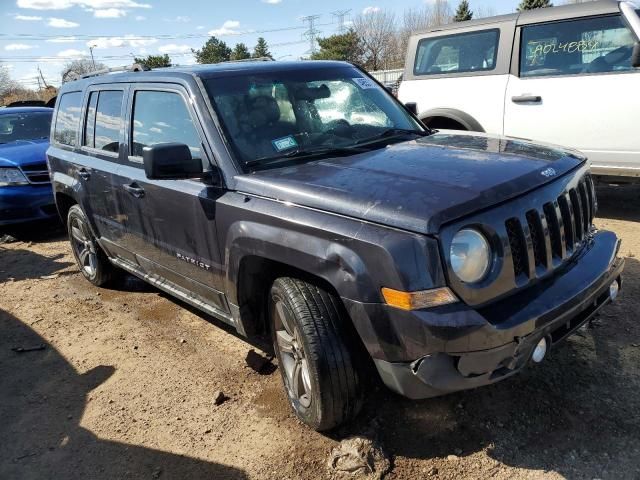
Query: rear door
x=102 y=141
x=574 y=85
x=171 y=223
x=461 y=74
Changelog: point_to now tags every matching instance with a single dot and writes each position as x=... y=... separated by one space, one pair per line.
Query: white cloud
x=369 y=10
x=272 y=2
x=126 y=41
x=179 y=19
x=200 y=27
x=87 y=4
x=71 y=52
x=27 y=18
x=140 y=18
x=109 y=13
x=62 y=40
x=228 y=28
x=173 y=48
x=61 y=23
x=18 y=46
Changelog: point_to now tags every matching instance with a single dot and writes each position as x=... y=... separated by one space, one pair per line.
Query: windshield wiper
x=300 y=154
x=392 y=133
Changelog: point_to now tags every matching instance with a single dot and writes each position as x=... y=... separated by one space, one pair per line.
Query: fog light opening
x=540 y=351
x=614 y=288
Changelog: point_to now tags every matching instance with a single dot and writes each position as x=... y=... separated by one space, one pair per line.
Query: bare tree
x=377 y=31
x=413 y=20
x=78 y=67
x=441 y=13
x=484 y=12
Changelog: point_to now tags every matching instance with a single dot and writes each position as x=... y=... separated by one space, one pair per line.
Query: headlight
x=470 y=255
x=12 y=176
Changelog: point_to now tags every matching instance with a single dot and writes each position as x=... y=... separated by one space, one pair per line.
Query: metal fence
x=387 y=76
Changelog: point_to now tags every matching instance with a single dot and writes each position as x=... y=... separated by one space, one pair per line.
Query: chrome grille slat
x=36 y=173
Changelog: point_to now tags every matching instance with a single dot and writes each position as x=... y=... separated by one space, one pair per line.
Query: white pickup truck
x=566 y=75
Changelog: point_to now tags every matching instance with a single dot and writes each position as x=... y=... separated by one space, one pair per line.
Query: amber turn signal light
x=417 y=300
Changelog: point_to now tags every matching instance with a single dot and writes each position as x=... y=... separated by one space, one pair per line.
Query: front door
x=171 y=223
x=575 y=87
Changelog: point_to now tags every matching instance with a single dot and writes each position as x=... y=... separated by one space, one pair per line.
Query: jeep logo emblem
x=548 y=172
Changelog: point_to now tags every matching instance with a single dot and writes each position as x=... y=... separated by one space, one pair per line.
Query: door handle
x=134 y=190
x=526 y=99
x=84 y=173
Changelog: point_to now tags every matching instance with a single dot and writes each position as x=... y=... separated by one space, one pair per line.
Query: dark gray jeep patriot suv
x=302 y=201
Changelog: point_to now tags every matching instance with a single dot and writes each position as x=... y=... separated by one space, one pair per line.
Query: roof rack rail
x=136 y=67
x=257 y=59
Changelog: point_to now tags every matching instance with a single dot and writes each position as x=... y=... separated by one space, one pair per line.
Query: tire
x=319 y=371
x=92 y=261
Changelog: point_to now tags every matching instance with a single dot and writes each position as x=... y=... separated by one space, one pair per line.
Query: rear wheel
x=92 y=261
x=318 y=369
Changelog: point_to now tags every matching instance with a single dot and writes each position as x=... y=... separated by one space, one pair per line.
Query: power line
x=311 y=32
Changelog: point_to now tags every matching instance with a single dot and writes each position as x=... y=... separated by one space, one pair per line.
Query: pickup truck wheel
x=317 y=368
x=92 y=262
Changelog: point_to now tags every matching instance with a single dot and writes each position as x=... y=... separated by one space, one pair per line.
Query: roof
x=8 y=110
x=205 y=71
x=538 y=15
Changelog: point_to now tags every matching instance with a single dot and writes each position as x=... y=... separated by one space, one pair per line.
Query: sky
x=49 y=33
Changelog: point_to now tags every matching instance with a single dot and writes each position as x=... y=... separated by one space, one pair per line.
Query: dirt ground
x=124 y=388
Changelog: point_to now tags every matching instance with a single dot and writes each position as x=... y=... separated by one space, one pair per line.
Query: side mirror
x=412 y=107
x=170 y=161
x=635 y=55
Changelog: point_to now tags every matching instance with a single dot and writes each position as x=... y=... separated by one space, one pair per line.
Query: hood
x=417 y=185
x=23 y=153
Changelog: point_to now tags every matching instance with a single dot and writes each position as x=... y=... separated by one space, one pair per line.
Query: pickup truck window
x=68 y=119
x=161 y=117
x=573 y=47
x=271 y=115
x=464 y=52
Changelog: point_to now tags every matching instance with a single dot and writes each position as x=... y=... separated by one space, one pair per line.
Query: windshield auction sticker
x=364 y=82
x=284 y=143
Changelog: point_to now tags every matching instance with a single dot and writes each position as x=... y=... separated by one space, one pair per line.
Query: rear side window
x=464 y=52
x=68 y=119
x=162 y=117
x=104 y=120
x=589 y=45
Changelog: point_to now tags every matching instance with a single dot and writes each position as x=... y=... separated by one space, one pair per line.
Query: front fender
x=357 y=258
x=459 y=116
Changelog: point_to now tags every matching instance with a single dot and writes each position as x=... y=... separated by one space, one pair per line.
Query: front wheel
x=92 y=261
x=318 y=369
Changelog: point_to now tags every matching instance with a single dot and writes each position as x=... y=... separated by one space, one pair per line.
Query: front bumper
x=26 y=203
x=426 y=353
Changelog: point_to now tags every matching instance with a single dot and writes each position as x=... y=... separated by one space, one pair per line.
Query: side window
x=108 y=121
x=589 y=45
x=464 y=52
x=162 y=117
x=68 y=119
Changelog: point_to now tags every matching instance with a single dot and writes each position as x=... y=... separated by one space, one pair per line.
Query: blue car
x=25 y=188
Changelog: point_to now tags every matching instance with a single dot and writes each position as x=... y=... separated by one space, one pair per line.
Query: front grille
x=552 y=231
x=36 y=173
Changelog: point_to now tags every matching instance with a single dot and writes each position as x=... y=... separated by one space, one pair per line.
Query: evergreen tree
x=533 y=4
x=214 y=51
x=261 y=50
x=346 y=47
x=154 y=61
x=463 y=13
x=240 y=52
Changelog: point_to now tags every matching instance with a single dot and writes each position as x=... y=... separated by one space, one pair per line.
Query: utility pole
x=93 y=62
x=42 y=77
x=311 y=32
x=341 y=15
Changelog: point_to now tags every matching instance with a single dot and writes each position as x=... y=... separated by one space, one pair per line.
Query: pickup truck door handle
x=526 y=99
x=134 y=189
x=84 y=173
